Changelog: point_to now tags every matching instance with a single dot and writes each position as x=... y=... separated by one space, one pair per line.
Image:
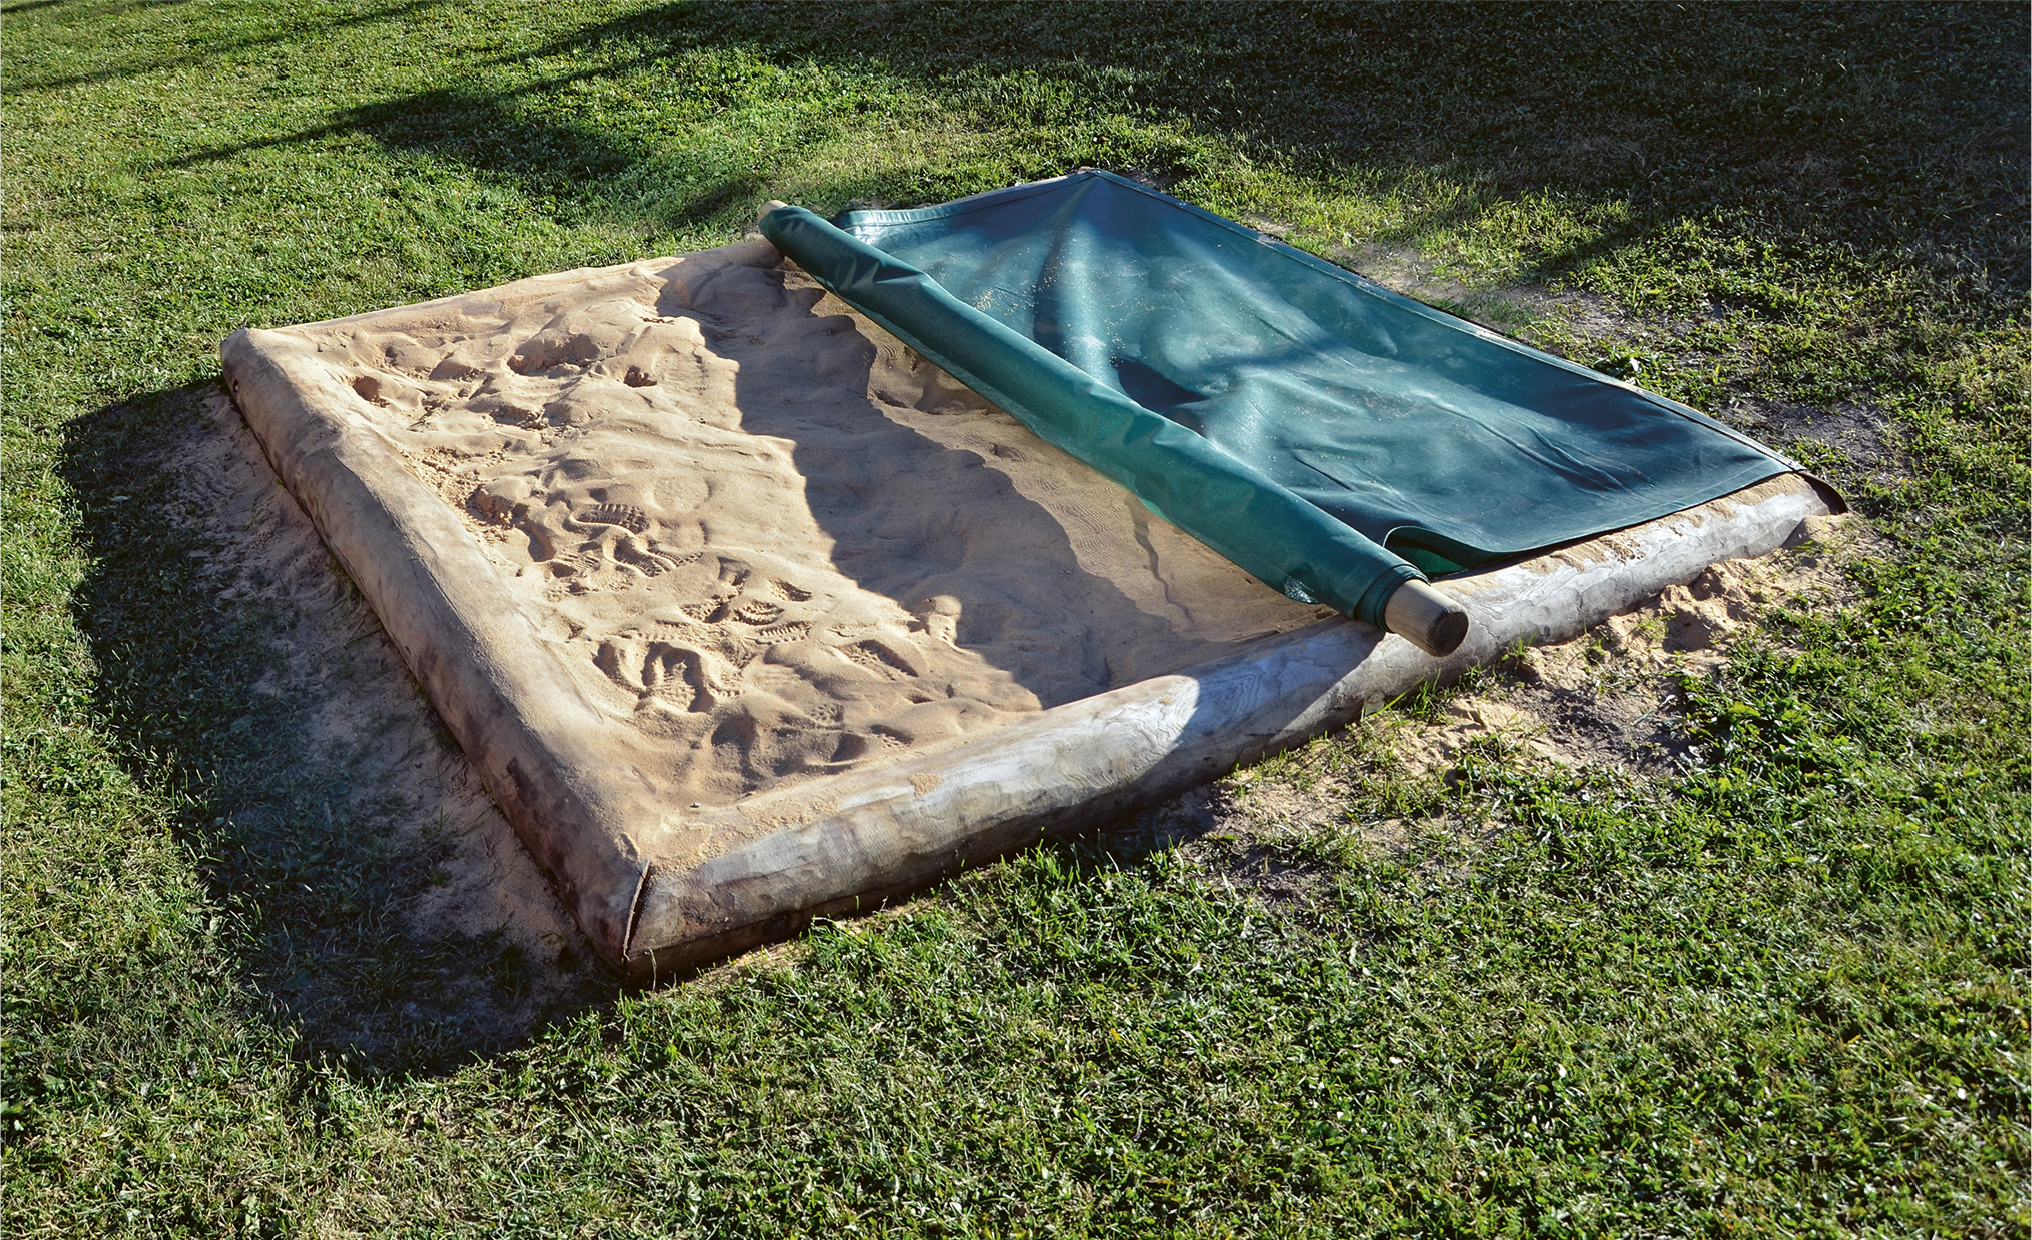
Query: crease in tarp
x=1330 y=437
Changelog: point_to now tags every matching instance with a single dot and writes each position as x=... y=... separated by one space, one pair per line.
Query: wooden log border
x=660 y=891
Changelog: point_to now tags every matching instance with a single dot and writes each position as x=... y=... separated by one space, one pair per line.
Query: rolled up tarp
x=1181 y=476
x=1330 y=437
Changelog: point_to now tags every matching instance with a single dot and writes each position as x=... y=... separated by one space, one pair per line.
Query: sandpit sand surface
x=763 y=535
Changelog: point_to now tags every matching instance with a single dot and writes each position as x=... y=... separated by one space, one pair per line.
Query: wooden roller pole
x=1426 y=618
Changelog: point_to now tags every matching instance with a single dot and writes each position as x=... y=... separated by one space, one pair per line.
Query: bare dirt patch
x=1863 y=436
x=1512 y=309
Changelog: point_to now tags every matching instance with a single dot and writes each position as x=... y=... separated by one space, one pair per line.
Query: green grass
x=1779 y=990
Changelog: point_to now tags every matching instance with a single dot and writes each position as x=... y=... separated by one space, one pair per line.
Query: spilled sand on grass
x=1608 y=698
x=765 y=536
x=1610 y=695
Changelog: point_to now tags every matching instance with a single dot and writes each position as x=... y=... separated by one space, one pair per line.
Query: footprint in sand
x=759 y=612
x=795 y=631
x=627 y=516
x=660 y=672
x=879 y=658
x=640 y=554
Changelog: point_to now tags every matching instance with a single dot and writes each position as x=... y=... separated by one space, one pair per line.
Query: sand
x=765 y=536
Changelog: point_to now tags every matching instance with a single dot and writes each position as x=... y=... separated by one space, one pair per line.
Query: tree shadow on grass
x=377 y=897
x=96 y=8
x=1882 y=127
x=110 y=68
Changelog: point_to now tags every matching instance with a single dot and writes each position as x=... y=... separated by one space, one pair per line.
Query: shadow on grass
x=1888 y=128
x=97 y=8
x=371 y=886
x=197 y=55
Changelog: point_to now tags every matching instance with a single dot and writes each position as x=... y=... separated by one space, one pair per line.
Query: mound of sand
x=766 y=536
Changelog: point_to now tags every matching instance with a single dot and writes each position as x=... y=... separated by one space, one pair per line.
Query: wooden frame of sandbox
x=645 y=878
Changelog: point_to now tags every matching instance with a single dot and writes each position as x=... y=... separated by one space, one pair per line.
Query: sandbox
x=747 y=614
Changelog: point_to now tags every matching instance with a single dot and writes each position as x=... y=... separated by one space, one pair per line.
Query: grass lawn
x=1772 y=983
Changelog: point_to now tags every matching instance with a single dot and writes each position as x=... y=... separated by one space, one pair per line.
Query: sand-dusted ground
x=764 y=535
x=349 y=785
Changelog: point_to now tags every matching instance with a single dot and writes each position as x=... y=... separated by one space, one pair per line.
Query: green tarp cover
x=1327 y=435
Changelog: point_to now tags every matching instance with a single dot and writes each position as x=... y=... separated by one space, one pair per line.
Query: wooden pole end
x=1426 y=618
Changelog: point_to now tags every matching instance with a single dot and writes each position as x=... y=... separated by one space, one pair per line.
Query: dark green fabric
x=1315 y=428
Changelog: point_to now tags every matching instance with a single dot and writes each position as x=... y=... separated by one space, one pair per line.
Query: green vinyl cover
x=1327 y=435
